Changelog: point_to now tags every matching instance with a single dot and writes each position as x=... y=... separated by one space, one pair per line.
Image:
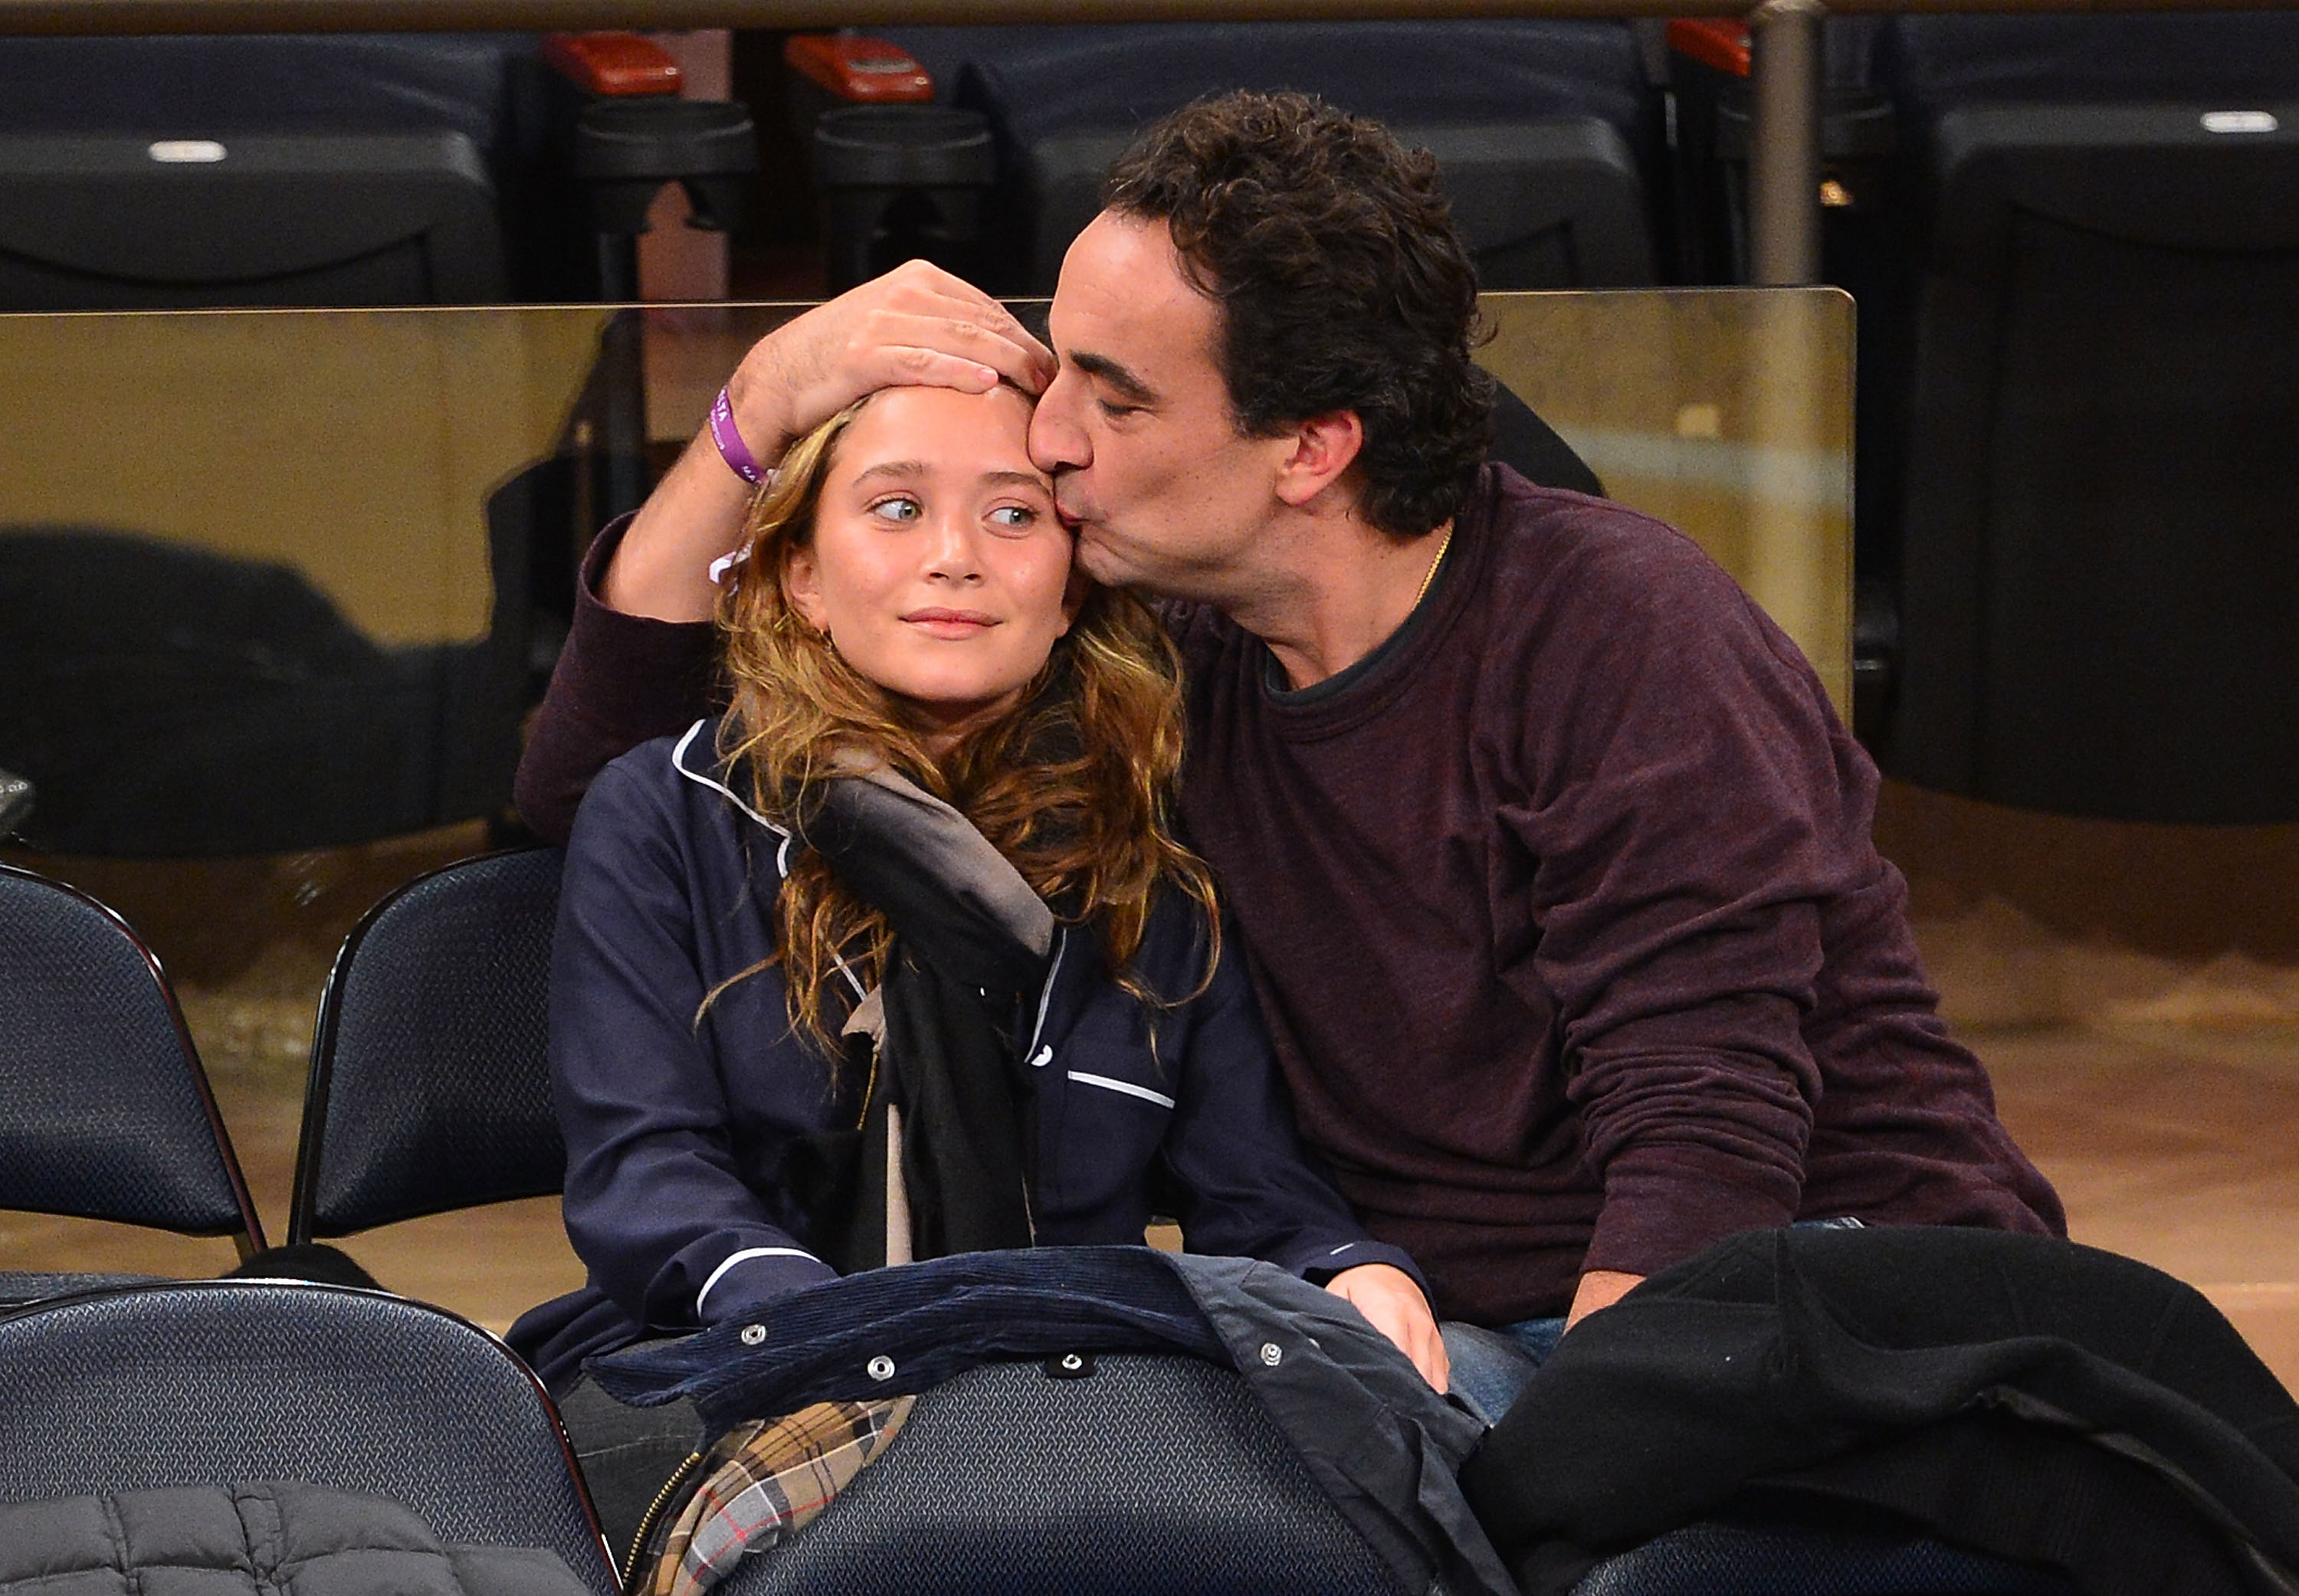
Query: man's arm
x=1599 y=1288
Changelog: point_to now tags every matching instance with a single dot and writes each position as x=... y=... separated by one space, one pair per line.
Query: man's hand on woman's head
x=916 y=325
x=1393 y=1305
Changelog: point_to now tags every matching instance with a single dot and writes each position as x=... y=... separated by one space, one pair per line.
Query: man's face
x=1137 y=428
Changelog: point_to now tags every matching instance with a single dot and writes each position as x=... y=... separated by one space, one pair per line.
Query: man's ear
x=802 y=586
x=1324 y=447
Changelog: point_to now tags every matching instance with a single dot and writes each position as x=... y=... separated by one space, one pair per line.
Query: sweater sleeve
x=656 y=1204
x=1690 y=808
x=620 y=680
x=1251 y=1189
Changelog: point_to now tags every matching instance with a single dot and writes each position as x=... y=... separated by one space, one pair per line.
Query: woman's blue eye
x=1014 y=516
x=897 y=509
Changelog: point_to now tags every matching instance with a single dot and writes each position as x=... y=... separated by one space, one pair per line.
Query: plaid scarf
x=763 y=1480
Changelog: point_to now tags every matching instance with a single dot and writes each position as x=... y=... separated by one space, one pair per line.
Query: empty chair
x=1546 y=129
x=2096 y=565
x=429 y=1088
x=145 y=173
x=104 y=1110
x=226 y=1382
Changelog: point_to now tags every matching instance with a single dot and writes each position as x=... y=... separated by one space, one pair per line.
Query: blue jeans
x=1491 y=1367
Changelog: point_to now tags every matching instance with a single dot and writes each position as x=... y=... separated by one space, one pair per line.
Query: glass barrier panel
x=278 y=587
x=1726 y=412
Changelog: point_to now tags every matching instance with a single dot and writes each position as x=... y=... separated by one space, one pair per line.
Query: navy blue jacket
x=676 y=1130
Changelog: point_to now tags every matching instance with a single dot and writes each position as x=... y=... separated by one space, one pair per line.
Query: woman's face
x=937 y=565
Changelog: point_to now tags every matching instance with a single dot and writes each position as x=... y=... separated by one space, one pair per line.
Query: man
x=1552 y=861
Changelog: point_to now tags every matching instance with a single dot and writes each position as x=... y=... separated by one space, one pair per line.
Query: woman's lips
x=951 y=622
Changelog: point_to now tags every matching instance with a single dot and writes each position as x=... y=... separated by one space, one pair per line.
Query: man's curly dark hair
x=1342 y=284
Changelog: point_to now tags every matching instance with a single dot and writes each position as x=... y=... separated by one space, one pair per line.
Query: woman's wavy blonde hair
x=1073 y=785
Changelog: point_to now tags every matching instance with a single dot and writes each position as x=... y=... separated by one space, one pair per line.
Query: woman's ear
x=802 y=586
x=1074 y=592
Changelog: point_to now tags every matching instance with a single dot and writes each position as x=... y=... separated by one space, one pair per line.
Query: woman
x=936 y=728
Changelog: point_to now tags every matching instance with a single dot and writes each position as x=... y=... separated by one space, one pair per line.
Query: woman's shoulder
x=679 y=785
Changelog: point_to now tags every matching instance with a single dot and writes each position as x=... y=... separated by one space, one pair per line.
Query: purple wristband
x=731 y=448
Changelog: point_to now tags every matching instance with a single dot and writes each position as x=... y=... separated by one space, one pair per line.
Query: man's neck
x=1332 y=590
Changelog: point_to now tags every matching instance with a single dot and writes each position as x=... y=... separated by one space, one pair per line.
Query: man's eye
x=898 y=509
x=1115 y=410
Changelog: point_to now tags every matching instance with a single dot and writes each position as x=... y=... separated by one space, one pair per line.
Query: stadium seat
x=429 y=1088
x=2082 y=457
x=1785 y=1549
x=224 y=1382
x=104 y=1110
x=345 y=169
x=1145 y=1477
x=351 y=169
x=1546 y=129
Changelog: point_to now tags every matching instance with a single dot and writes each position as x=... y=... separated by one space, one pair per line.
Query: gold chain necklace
x=1431 y=577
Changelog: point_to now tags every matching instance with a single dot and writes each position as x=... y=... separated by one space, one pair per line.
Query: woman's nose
x=953 y=552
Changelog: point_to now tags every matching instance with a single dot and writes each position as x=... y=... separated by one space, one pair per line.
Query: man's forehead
x=1122 y=300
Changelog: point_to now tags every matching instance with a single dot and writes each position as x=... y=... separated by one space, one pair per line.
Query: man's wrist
x=759 y=409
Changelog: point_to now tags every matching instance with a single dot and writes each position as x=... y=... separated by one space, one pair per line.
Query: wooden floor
x=2134 y=990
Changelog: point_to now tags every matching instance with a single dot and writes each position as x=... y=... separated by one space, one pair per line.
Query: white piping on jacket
x=743 y=1256
x=781 y=854
x=1039 y=1059
x=1126 y=1087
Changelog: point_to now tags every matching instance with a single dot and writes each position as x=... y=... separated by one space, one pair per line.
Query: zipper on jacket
x=652 y=1516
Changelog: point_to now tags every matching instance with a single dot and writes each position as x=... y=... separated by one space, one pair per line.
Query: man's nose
x=1056 y=443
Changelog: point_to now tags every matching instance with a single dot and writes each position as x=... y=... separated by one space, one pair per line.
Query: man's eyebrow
x=1102 y=368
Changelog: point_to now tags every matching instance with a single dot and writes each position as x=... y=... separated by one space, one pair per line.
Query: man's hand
x=916 y=325
x=1599 y=1288
x=1389 y=1300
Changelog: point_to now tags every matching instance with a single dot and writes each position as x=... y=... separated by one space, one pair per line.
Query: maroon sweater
x=1563 y=907
x=1566 y=918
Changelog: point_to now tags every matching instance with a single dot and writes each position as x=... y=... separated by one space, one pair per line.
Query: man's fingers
x=916 y=325
x=961 y=333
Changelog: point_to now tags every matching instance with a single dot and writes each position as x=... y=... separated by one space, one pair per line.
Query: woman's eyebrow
x=902 y=469
x=1026 y=479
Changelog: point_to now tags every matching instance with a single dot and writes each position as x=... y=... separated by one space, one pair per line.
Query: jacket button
x=880 y=1367
x=753 y=1334
x=1272 y=1354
